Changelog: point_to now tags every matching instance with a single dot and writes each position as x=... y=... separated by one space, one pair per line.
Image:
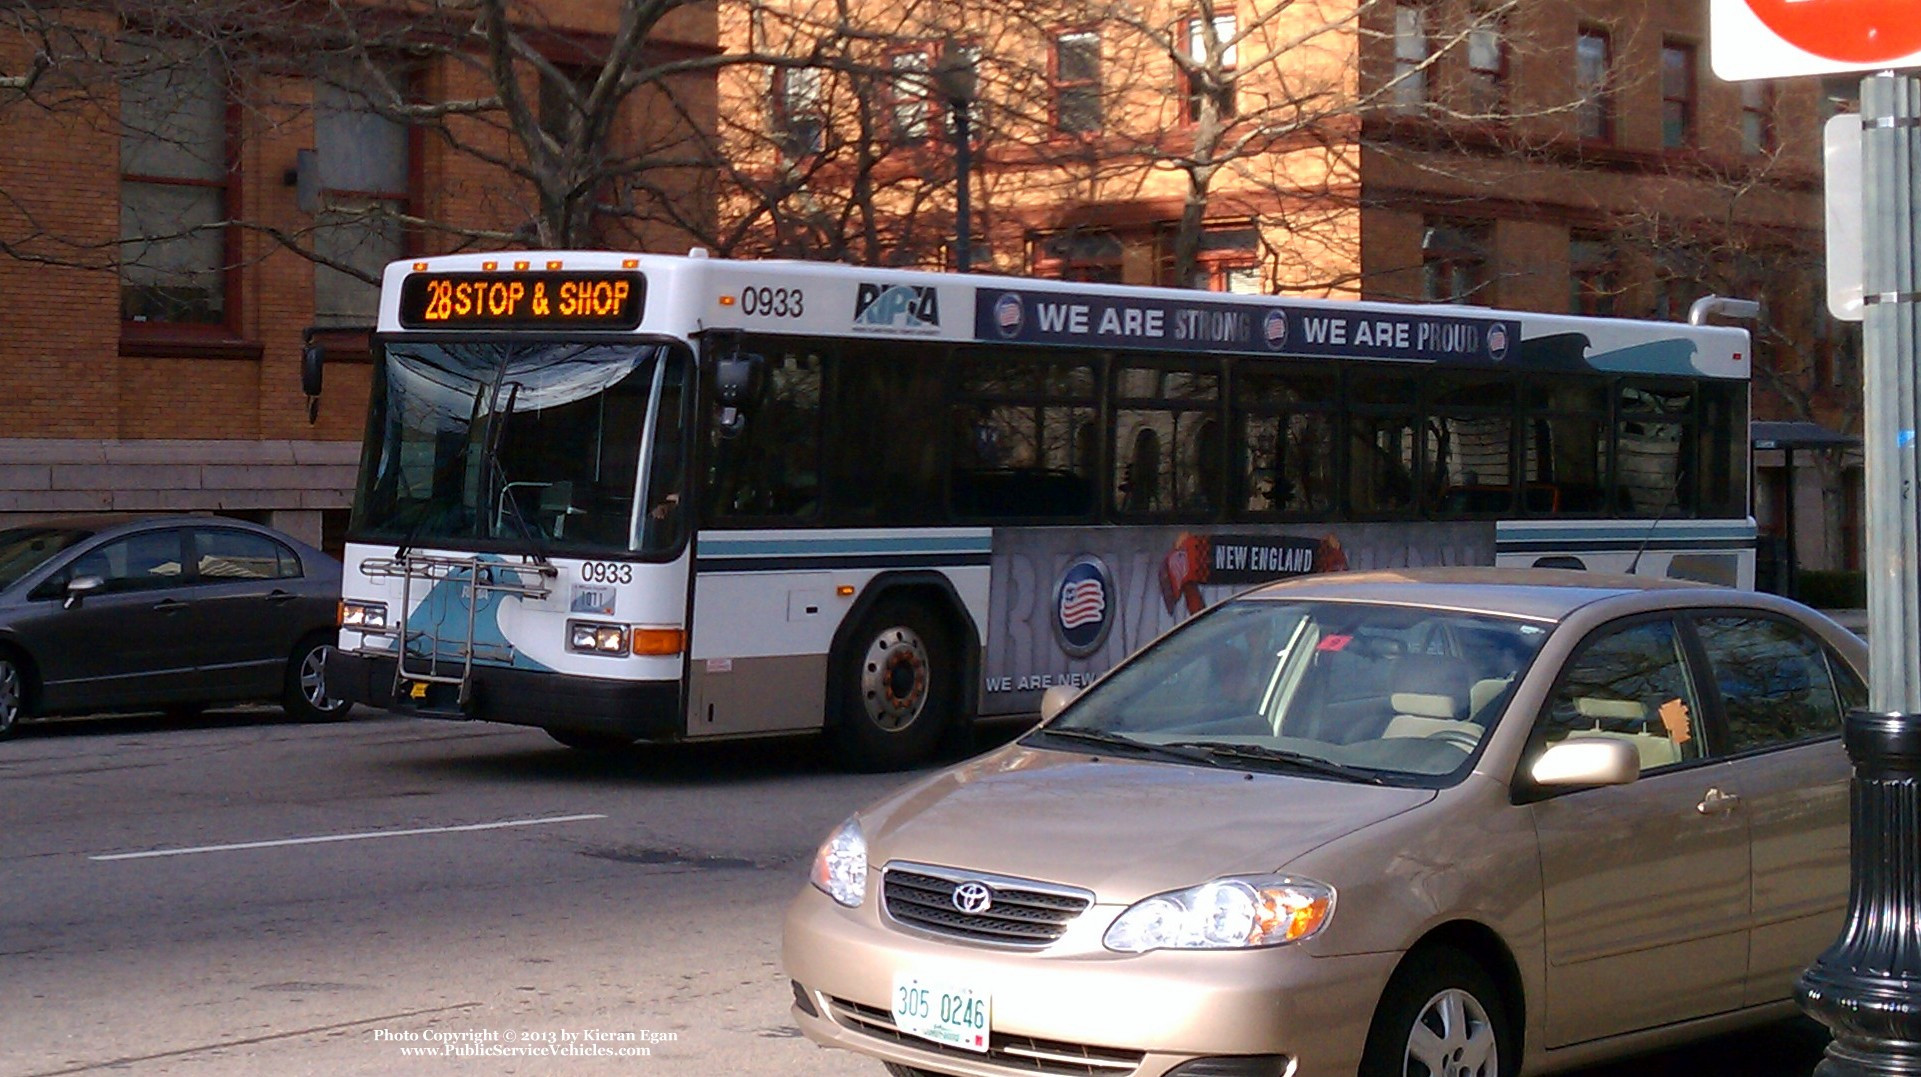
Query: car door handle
x=1715 y=802
x=169 y=605
x=277 y=596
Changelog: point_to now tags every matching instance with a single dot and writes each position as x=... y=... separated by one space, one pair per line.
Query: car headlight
x=1226 y=914
x=363 y=615
x=840 y=867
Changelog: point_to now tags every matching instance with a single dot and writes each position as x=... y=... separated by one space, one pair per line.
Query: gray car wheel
x=12 y=695
x=306 y=696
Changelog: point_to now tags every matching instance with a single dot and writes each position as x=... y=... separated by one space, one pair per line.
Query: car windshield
x=23 y=549
x=1350 y=691
x=536 y=444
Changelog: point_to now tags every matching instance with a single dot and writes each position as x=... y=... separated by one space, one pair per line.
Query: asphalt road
x=243 y=895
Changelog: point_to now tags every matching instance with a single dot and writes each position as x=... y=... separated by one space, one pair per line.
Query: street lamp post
x=955 y=79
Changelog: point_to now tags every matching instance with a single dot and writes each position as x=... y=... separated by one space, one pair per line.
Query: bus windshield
x=525 y=446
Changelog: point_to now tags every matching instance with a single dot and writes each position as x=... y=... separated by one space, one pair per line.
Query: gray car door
x=247 y=611
x=130 y=643
x=1644 y=885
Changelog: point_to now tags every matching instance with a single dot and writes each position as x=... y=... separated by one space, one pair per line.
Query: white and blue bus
x=651 y=498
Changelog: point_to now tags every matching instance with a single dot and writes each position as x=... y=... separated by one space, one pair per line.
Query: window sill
x=143 y=340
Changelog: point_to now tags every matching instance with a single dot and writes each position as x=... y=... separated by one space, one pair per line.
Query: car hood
x=1122 y=828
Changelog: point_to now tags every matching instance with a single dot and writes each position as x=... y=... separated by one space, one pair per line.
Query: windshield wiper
x=1129 y=744
x=1282 y=758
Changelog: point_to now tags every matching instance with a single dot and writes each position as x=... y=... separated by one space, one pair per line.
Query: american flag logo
x=1082 y=602
x=1008 y=315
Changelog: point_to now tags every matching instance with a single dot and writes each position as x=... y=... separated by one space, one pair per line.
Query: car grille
x=1022 y=913
x=1016 y=1054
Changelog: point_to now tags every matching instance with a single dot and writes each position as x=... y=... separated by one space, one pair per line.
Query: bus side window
x=772 y=469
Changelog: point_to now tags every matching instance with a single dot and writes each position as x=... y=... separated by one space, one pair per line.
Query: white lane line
x=364 y=835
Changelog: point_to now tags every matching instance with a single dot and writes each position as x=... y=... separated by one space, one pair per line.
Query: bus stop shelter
x=1788 y=437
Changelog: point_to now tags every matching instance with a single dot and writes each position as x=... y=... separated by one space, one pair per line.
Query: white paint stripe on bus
x=362 y=836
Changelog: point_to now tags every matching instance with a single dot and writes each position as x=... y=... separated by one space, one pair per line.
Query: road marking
x=362 y=836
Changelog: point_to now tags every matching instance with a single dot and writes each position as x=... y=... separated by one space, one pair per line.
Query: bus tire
x=896 y=689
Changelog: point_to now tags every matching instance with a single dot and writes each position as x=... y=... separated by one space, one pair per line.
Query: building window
x=1077 y=82
x=1757 y=117
x=1677 y=95
x=174 y=187
x=908 y=92
x=1224 y=30
x=1593 y=86
x=1411 y=54
x=1487 y=64
x=364 y=168
x=799 y=123
x=1594 y=276
x=1079 y=256
x=1454 y=261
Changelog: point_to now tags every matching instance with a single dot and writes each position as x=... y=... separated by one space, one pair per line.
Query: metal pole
x=1867 y=986
x=963 y=223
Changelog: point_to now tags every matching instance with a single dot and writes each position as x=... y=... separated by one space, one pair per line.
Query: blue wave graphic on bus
x=1655 y=357
x=437 y=627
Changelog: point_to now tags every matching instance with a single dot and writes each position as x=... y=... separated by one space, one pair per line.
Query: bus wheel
x=896 y=689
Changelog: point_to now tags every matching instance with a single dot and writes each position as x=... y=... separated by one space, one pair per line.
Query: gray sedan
x=167 y=613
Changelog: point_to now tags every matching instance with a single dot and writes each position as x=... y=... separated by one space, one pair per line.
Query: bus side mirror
x=312 y=357
x=736 y=377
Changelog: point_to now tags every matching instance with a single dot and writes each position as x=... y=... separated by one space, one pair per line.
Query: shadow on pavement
x=103 y=725
x=674 y=764
x=1786 y=1049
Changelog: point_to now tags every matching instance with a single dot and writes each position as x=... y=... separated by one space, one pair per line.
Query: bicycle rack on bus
x=477 y=578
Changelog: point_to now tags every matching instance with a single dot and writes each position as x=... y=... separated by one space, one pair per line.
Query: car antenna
x=1673 y=498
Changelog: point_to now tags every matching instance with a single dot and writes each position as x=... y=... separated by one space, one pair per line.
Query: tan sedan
x=1456 y=823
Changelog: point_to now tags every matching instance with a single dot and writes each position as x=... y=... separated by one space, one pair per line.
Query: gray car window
x=1629 y=683
x=242 y=555
x=1774 y=682
x=140 y=562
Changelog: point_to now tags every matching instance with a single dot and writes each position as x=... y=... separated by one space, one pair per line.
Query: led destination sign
x=576 y=300
x=1260 y=328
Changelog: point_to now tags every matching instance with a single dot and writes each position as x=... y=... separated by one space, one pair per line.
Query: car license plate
x=942 y=1011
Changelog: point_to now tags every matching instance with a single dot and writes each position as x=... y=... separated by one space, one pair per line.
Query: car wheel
x=582 y=741
x=896 y=689
x=1441 y=1016
x=13 y=695
x=305 y=698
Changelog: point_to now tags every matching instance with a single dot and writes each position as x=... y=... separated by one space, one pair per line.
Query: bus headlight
x=363 y=616
x=587 y=637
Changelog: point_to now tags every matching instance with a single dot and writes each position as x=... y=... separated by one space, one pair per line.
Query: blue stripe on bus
x=806 y=562
x=800 y=546
x=1592 y=532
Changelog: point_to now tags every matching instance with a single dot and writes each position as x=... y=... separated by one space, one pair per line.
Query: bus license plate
x=942 y=1011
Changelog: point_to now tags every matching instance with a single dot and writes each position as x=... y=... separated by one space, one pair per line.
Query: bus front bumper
x=642 y=710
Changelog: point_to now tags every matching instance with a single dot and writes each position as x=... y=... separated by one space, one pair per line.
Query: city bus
x=633 y=498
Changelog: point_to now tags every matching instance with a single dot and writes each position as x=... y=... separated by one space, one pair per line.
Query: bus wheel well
x=1479 y=942
x=898 y=674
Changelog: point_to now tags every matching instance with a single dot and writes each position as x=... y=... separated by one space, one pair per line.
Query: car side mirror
x=1586 y=761
x=80 y=587
x=1056 y=699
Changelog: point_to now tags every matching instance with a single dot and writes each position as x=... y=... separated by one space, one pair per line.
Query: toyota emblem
x=973 y=897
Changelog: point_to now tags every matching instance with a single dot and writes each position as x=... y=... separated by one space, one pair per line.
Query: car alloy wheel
x=1453 y=1037
x=10 y=695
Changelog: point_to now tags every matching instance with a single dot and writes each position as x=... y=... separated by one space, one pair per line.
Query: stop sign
x=1771 y=39
x=1851 y=31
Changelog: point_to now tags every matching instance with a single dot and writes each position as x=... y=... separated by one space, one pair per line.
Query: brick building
x=1563 y=155
x=182 y=198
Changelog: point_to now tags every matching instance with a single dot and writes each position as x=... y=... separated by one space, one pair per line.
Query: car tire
x=1441 y=1016
x=896 y=689
x=305 y=697
x=13 y=694
x=584 y=741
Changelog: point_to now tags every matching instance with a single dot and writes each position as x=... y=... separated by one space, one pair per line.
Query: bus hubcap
x=893 y=679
